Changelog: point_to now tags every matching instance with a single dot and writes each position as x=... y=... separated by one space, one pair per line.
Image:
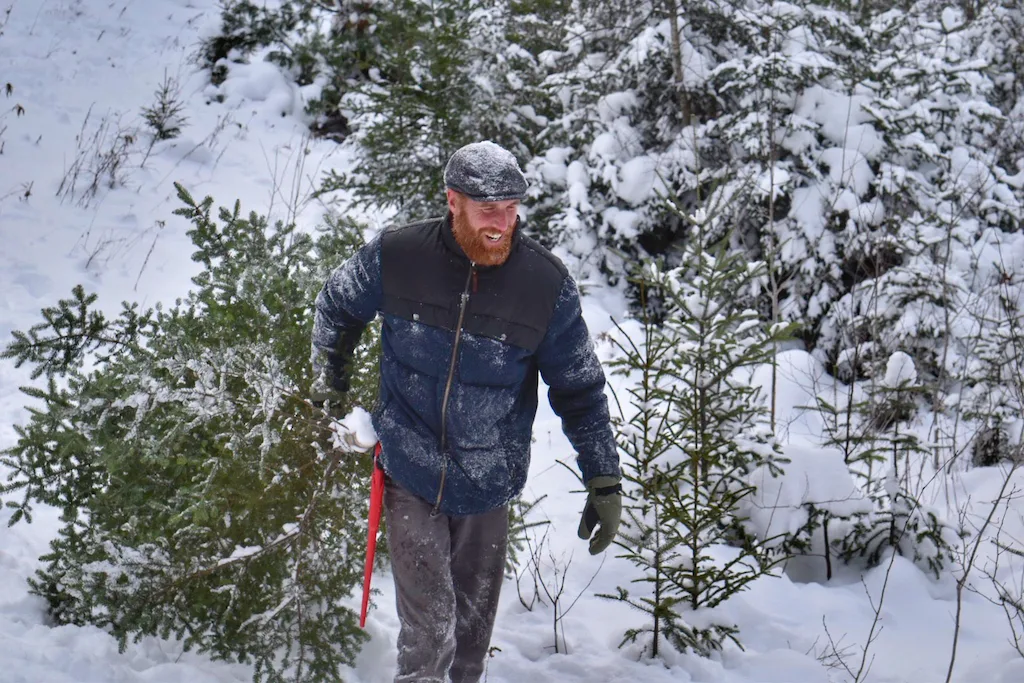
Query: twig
x=962 y=581
x=835 y=659
x=556 y=590
x=160 y=226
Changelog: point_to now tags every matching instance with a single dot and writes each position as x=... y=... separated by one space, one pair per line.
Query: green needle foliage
x=201 y=495
x=440 y=80
x=693 y=432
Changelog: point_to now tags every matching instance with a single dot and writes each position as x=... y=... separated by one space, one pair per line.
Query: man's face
x=483 y=229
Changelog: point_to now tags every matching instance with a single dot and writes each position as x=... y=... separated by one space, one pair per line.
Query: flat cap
x=485 y=172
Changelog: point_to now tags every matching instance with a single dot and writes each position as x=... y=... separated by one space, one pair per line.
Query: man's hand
x=320 y=398
x=322 y=394
x=332 y=377
x=604 y=507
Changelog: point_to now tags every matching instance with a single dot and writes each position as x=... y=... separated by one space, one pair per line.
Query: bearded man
x=473 y=310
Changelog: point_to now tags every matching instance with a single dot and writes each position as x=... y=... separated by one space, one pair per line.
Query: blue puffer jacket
x=462 y=347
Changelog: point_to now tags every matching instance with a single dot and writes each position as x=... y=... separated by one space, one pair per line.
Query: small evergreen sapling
x=200 y=493
x=165 y=116
x=642 y=431
x=899 y=520
x=872 y=426
x=693 y=431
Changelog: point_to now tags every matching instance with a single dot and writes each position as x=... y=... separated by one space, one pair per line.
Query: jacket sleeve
x=348 y=301
x=573 y=373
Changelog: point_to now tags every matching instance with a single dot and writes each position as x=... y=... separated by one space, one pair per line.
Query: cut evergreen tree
x=202 y=496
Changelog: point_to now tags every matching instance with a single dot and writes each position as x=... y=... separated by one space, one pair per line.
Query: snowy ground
x=82 y=71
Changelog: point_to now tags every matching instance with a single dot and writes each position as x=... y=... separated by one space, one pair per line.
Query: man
x=472 y=311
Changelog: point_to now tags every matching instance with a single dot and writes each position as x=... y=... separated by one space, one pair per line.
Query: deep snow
x=82 y=71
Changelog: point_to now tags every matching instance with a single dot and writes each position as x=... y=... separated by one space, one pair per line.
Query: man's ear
x=453 y=201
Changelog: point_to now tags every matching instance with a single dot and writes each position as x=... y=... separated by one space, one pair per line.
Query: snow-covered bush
x=860 y=494
x=201 y=492
x=864 y=153
x=325 y=46
x=936 y=181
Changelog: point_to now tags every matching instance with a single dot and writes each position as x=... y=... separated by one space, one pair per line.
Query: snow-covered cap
x=485 y=172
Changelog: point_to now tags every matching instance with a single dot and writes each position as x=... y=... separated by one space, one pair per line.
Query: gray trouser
x=448 y=573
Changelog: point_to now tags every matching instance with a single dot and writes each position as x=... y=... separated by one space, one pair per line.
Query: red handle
x=376 y=503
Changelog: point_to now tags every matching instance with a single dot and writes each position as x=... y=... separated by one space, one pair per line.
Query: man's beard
x=477 y=247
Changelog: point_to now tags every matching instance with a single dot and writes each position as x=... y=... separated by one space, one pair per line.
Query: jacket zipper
x=448 y=386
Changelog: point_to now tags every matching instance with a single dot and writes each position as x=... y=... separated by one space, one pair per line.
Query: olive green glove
x=604 y=506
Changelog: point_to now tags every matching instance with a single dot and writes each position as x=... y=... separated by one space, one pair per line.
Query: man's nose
x=501 y=222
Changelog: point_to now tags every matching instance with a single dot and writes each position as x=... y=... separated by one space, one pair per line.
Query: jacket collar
x=448 y=237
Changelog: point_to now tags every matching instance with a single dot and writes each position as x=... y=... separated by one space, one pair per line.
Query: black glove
x=339 y=381
x=332 y=378
x=604 y=507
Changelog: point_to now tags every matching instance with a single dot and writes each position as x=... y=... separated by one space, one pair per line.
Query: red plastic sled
x=376 y=503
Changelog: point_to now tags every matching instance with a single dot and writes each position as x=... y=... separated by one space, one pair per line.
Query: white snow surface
x=82 y=70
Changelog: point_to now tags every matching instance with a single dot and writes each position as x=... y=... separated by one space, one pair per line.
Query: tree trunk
x=677 y=61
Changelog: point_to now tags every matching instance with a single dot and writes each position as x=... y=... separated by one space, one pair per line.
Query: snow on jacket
x=517 y=320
